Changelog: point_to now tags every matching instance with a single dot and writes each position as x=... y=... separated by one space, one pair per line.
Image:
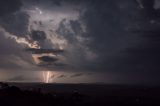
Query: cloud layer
x=118 y=38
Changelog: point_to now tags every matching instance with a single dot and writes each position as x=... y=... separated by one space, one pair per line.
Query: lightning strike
x=47 y=76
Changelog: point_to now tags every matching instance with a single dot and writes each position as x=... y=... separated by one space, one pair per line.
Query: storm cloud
x=48 y=59
x=62 y=76
x=115 y=37
x=17 y=78
x=8 y=7
x=77 y=75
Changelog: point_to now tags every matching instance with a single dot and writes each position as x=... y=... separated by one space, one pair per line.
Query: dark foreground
x=36 y=94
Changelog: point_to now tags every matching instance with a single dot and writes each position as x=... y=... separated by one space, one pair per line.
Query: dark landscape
x=39 y=94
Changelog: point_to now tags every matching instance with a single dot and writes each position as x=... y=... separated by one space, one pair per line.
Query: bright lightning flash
x=46 y=76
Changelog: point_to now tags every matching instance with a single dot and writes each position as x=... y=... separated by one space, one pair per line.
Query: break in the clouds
x=119 y=38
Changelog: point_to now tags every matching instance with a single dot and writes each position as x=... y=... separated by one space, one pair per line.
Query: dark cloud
x=143 y=57
x=107 y=23
x=16 y=23
x=11 y=53
x=109 y=26
x=9 y=6
x=77 y=75
x=121 y=51
x=60 y=64
x=89 y=74
x=76 y=26
x=18 y=78
x=22 y=78
x=149 y=8
x=41 y=51
x=48 y=59
x=38 y=35
x=62 y=76
x=81 y=74
x=66 y=32
x=76 y=51
x=12 y=19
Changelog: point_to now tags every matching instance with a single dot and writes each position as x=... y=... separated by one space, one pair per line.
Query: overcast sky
x=80 y=41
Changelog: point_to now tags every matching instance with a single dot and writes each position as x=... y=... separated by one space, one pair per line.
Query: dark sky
x=80 y=41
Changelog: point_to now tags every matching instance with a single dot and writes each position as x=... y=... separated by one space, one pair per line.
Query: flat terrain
x=91 y=94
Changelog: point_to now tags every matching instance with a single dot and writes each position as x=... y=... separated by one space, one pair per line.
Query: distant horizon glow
x=47 y=76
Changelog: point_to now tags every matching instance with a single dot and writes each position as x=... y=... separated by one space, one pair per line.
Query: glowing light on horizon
x=47 y=76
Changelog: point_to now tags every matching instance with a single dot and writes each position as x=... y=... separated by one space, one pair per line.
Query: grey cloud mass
x=77 y=75
x=8 y=6
x=38 y=35
x=16 y=23
x=12 y=55
x=17 y=78
x=48 y=59
x=62 y=76
x=115 y=37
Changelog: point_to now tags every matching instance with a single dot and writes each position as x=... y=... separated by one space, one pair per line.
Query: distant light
x=46 y=76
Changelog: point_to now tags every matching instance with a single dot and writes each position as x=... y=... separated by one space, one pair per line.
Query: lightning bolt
x=46 y=76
